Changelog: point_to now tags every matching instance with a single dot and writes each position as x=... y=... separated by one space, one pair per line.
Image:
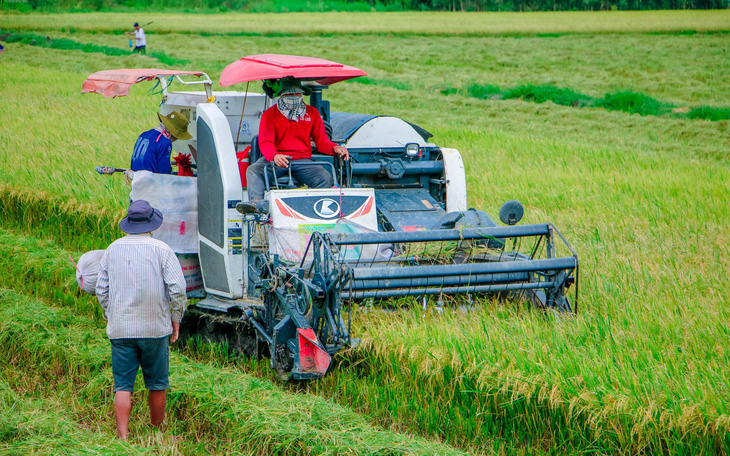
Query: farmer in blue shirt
x=154 y=147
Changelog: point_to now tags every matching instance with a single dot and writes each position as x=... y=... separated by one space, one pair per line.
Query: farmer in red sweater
x=286 y=130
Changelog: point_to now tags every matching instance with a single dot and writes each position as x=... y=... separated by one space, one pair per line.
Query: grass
x=642 y=369
x=42 y=269
x=64 y=43
x=706 y=112
x=635 y=103
x=66 y=221
x=607 y=64
x=430 y=362
x=63 y=357
x=39 y=425
x=626 y=100
x=546 y=24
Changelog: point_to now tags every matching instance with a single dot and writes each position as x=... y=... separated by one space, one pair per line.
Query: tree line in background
x=261 y=6
x=555 y=5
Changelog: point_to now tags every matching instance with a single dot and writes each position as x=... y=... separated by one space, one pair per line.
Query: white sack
x=191 y=271
x=177 y=198
x=87 y=270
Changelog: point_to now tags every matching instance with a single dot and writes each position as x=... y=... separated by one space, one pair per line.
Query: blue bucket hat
x=141 y=218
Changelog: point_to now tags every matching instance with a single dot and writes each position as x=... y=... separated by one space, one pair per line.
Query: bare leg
x=122 y=410
x=157 y=401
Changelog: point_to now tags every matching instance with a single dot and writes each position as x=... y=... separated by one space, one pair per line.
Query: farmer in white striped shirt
x=141 y=288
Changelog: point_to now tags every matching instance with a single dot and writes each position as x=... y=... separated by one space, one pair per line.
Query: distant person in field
x=140 y=39
x=153 y=148
x=287 y=129
x=141 y=288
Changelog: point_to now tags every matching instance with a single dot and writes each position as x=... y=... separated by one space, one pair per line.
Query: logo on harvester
x=327 y=208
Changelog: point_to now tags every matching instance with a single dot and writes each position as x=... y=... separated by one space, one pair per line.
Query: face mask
x=292 y=102
x=292 y=107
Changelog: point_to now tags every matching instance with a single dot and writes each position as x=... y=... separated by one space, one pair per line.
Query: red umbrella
x=276 y=66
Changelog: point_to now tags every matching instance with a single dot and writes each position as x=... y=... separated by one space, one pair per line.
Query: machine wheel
x=304 y=299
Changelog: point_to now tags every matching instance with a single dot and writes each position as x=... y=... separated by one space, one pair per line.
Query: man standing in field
x=153 y=148
x=140 y=39
x=141 y=288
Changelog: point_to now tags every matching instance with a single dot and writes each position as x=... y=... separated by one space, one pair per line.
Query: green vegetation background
x=643 y=368
x=287 y=6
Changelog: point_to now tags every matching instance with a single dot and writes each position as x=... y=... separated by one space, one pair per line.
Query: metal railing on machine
x=525 y=258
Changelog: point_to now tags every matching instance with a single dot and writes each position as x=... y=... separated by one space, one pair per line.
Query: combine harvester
x=396 y=224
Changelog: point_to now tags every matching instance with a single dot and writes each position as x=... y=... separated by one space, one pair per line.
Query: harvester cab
x=396 y=223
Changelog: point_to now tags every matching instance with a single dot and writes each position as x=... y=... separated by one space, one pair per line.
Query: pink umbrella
x=276 y=66
x=116 y=83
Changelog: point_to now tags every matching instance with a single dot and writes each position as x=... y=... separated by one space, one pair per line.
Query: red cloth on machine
x=279 y=135
x=184 y=167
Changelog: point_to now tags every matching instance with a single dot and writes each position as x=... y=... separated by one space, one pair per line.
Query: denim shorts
x=152 y=354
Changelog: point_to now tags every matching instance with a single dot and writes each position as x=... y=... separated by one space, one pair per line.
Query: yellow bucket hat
x=176 y=124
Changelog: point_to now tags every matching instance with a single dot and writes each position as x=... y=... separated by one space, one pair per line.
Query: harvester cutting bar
x=434 y=280
x=457 y=278
x=466 y=270
x=395 y=293
x=441 y=235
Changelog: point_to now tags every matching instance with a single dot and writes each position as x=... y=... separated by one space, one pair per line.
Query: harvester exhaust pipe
x=316 y=101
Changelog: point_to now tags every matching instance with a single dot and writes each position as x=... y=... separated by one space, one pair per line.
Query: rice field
x=395 y=23
x=643 y=199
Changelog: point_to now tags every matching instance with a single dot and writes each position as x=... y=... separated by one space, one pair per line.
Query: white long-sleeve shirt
x=141 y=288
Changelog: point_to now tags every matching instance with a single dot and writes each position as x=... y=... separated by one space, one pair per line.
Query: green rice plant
x=41 y=268
x=367 y=368
x=448 y=90
x=33 y=425
x=643 y=367
x=484 y=91
x=631 y=102
x=208 y=401
x=398 y=85
x=32 y=39
x=387 y=23
x=73 y=224
x=709 y=113
x=635 y=103
x=523 y=406
x=541 y=94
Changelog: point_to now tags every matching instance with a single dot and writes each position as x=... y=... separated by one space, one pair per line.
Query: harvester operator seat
x=255 y=153
x=281 y=182
x=271 y=183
